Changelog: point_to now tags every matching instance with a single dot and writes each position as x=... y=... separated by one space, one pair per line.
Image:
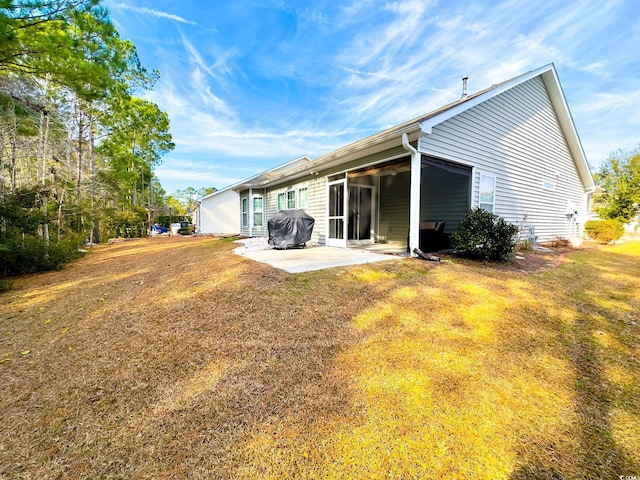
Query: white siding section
x=516 y=137
x=220 y=213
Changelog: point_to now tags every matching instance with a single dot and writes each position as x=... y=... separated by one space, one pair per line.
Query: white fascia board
x=552 y=83
x=554 y=87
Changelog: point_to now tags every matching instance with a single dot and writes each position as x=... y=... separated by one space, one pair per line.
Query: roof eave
x=552 y=83
x=423 y=126
x=385 y=139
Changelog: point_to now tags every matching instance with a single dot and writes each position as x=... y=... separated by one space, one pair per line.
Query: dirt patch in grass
x=173 y=358
x=529 y=261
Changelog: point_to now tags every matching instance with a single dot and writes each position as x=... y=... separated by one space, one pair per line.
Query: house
x=511 y=149
x=218 y=212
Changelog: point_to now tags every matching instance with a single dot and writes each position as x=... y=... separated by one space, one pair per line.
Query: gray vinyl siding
x=318 y=209
x=516 y=137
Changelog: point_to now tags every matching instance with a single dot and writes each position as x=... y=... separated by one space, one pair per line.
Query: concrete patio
x=298 y=260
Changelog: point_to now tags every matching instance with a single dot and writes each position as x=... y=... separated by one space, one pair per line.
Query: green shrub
x=5 y=285
x=30 y=254
x=604 y=231
x=483 y=235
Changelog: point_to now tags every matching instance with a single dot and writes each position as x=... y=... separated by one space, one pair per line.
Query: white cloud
x=192 y=176
x=314 y=16
x=370 y=65
x=197 y=59
x=154 y=13
x=600 y=69
x=598 y=105
x=387 y=42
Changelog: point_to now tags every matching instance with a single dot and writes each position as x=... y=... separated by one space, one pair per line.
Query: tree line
x=618 y=179
x=78 y=143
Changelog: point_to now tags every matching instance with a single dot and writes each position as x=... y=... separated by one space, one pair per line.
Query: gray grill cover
x=290 y=228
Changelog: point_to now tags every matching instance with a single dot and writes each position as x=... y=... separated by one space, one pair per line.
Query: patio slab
x=298 y=260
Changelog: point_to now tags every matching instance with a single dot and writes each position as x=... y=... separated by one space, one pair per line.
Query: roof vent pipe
x=464 y=86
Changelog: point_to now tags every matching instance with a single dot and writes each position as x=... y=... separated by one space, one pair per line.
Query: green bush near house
x=483 y=235
x=604 y=231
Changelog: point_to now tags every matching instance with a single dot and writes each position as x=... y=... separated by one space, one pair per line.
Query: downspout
x=414 y=195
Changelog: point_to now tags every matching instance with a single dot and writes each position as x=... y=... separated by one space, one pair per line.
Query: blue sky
x=251 y=84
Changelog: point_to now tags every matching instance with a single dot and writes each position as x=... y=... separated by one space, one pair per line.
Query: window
x=549 y=186
x=257 y=211
x=303 y=197
x=245 y=212
x=291 y=199
x=487 y=192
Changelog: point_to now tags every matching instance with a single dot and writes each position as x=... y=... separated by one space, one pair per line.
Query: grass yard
x=173 y=358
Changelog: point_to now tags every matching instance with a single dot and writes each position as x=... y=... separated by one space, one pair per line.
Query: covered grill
x=290 y=229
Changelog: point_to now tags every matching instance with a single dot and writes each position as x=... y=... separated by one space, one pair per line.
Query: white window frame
x=302 y=204
x=489 y=206
x=290 y=198
x=258 y=211
x=282 y=200
x=244 y=211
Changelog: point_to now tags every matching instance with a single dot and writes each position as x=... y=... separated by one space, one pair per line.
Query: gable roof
x=261 y=178
x=423 y=125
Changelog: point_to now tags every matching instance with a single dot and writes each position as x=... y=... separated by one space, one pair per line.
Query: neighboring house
x=511 y=149
x=218 y=212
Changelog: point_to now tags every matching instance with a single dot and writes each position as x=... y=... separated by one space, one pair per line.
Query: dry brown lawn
x=173 y=358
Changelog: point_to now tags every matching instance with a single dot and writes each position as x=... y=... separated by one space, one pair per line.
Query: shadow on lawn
x=601 y=336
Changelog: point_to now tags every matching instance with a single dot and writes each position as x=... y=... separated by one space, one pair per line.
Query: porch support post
x=414 y=199
x=250 y=219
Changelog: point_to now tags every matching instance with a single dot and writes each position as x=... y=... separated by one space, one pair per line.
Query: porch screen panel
x=444 y=192
x=336 y=211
